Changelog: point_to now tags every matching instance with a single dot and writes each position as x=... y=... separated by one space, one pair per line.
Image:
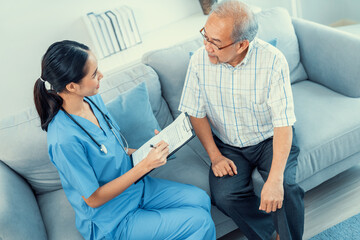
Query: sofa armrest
x=329 y=56
x=20 y=216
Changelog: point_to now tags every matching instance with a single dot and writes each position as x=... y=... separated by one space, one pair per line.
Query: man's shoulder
x=197 y=56
x=268 y=48
x=268 y=52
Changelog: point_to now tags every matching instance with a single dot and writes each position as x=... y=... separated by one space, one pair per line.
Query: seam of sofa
x=22 y=122
x=135 y=80
x=333 y=163
x=207 y=164
x=327 y=167
x=332 y=139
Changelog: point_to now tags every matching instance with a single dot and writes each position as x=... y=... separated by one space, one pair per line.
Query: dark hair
x=63 y=63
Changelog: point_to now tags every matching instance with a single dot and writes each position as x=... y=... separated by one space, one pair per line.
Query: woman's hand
x=157 y=156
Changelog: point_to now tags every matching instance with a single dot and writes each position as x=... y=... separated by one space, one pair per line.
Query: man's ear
x=72 y=87
x=243 y=45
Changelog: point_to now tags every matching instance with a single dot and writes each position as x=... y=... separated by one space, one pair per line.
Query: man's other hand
x=272 y=196
x=223 y=166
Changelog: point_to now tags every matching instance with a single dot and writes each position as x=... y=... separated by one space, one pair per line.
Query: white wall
x=27 y=28
x=320 y=11
x=329 y=11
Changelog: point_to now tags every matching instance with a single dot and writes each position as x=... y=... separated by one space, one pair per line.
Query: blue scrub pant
x=235 y=195
x=170 y=210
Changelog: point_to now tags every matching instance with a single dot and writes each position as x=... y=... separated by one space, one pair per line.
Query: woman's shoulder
x=60 y=129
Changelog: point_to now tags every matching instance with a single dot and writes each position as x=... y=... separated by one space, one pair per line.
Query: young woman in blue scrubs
x=100 y=185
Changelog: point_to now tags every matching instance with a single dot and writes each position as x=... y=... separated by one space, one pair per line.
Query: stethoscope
x=108 y=122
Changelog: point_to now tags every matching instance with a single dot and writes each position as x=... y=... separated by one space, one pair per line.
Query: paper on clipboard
x=178 y=133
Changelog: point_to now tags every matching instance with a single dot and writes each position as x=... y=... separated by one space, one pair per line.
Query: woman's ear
x=72 y=87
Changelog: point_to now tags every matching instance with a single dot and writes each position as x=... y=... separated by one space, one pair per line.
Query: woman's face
x=90 y=84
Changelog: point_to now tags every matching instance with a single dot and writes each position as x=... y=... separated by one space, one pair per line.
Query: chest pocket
x=261 y=116
x=254 y=117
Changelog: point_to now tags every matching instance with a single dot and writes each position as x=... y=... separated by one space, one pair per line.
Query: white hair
x=245 y=22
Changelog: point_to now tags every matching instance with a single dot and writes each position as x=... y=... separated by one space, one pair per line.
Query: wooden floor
x=328 y=204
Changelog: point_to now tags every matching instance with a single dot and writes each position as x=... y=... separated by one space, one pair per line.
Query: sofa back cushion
x=24 y=149
x=276 y=23
x=24 y=146
x=171 y=63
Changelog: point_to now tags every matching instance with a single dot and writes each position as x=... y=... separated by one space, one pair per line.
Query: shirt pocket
x=261 y=116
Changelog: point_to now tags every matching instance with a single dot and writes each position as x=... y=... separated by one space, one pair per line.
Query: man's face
x=217 y=32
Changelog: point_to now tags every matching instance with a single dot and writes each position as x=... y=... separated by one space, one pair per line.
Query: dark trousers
x=235 y=195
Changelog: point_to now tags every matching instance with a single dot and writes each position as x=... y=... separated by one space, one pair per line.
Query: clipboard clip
x=189 y=122
x=186 y=123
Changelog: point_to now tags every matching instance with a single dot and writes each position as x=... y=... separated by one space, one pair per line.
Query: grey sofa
x=326 y=88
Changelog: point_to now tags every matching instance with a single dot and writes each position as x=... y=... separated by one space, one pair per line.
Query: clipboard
x=189 y=128
x=177 y=134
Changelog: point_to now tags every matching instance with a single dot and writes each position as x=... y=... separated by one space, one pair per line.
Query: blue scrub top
x=83 y=168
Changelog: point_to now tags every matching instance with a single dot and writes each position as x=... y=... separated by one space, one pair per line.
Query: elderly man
x=238 y=94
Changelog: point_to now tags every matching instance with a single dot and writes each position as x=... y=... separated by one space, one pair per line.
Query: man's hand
x=272 y=196
x=223 y=166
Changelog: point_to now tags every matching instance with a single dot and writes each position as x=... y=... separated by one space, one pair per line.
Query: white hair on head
x=245 y=22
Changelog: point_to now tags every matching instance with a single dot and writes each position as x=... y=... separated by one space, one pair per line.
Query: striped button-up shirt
x=243 y=103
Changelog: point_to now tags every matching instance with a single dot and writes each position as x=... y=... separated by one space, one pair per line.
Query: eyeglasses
x=202 y=32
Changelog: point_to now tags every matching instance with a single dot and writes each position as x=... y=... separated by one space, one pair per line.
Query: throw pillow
x=133 y=113
x=273 y=42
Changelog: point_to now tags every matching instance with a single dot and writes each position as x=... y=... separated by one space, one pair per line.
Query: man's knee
x=292 y=189
x=229 y=200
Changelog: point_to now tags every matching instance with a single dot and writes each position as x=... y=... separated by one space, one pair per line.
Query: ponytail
x=47 y=103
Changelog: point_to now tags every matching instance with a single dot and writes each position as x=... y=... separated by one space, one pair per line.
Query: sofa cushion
x=120 y=81
x=327 y=127
x=187 y=167
x=276 y=23
x=24 y=148
x=58 y=216
x=171 y=66
x=132 y=112
x=190 y=167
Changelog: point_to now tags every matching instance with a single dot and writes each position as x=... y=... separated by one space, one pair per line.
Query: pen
x=152 y=146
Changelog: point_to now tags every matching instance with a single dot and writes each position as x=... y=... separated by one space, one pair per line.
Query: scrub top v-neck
x=83 y=168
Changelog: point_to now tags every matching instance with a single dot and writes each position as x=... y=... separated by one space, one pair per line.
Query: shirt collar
x=246 y=58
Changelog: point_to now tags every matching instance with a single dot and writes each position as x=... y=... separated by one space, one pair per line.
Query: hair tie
x=48 y=86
